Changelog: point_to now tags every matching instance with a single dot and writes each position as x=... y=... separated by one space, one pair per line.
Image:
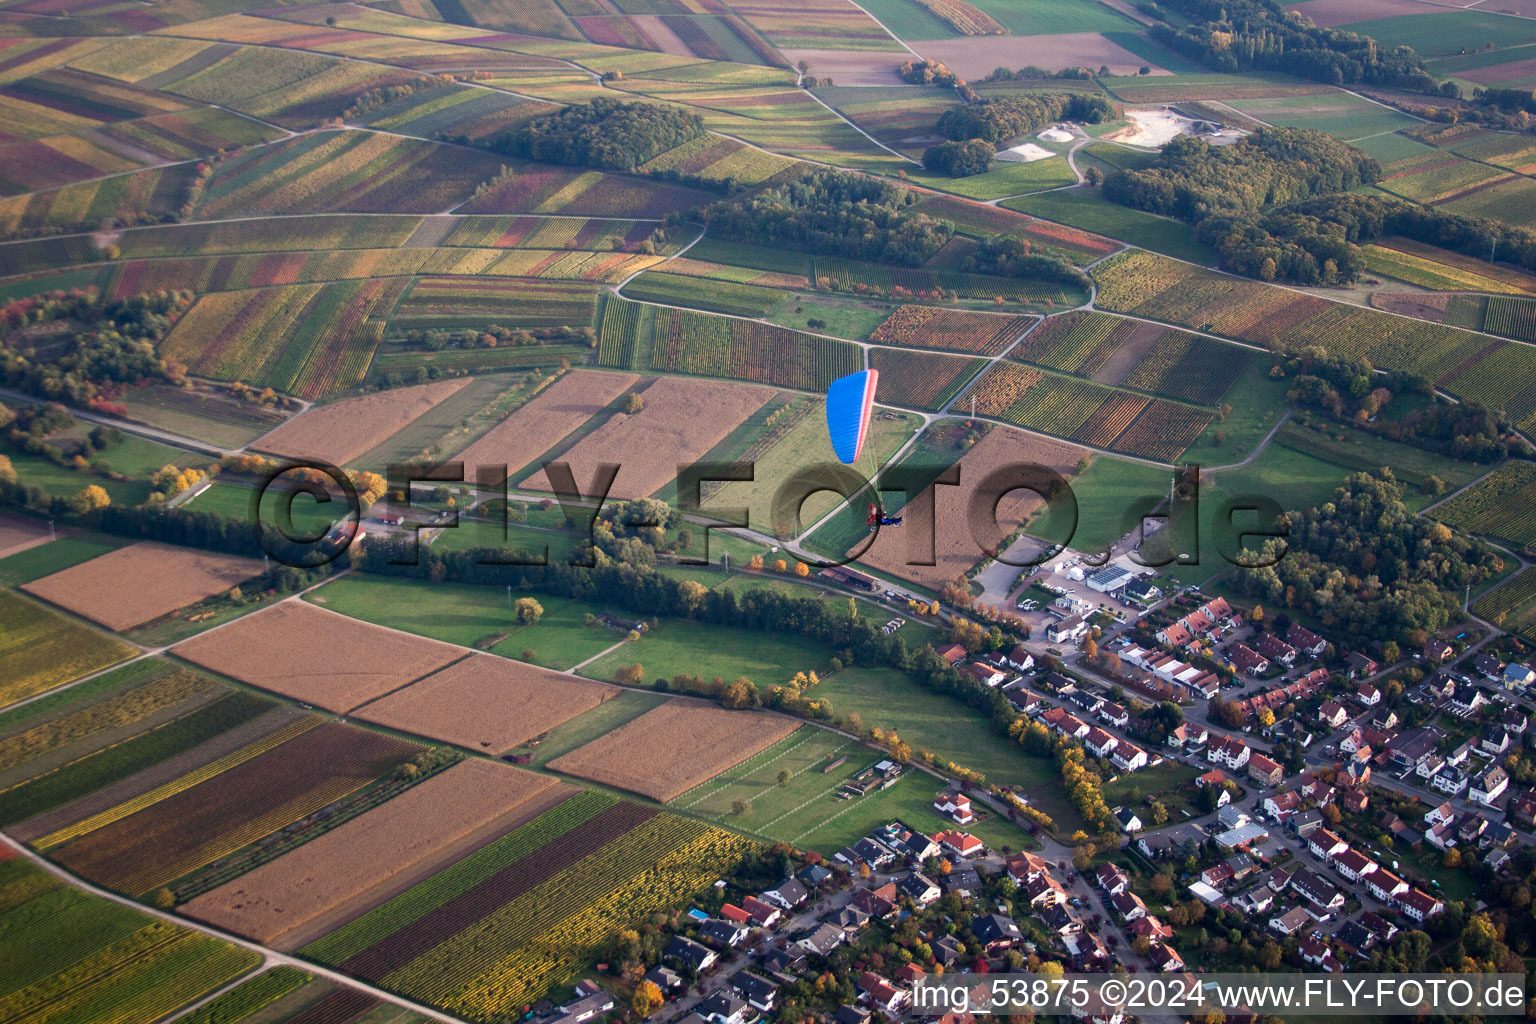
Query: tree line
x=1247 y=35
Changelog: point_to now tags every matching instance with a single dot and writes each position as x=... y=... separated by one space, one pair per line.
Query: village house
x=1187 y=736
x=1275 y=649
x=1110 y=878
x=1247 y=661
x=1324 y=844
x=879 y=994
x=1128 y=757
x=1165 y=958
x=1368 y=694
x=1332 y=714
x=1317 y=890
x=1353 y=864
x=1489 y=786
x=1419 y=905
x=1229 y=751
x=1128 y=820
x=956 y=806
x=997 y=933
x=1305 y=641
x=1265 y=771
x=1280 y=806
x=1099 y=743
x=1292 y=921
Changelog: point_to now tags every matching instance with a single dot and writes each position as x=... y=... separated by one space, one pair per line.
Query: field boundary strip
x=185 y=782
x=738 y=774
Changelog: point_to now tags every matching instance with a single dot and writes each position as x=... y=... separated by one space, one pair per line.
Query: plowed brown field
x=682 y=420
x=545 y=419
x=955 y=550
x=666 y=752
x=141 y=582
x=341 y=431
x=487 y=703
x=317 y=656
x=339 y=870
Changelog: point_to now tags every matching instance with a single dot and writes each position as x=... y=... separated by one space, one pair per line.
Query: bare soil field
x=1415 y=304
x=487 y=703
x=1329 y=13
x=976 y=56
x=1500 y=72
x=141 y=582
x=342 y=871
x=18 y=533
x=341 y=431
x=317 y=656
x=955 y=550
x=666 y=752
x=682 y=420
x=852 y=67
x=543 y=420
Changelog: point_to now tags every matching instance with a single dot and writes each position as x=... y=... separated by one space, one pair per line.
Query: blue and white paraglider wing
x=850 y=402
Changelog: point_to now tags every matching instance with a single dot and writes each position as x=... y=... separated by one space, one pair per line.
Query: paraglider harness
x=877 y=517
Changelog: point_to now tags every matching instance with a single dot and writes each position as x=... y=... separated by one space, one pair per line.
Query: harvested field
x=17 y=534
x=666 y=752
x=343 y=871
x=851 y=67
x=317 y=656
x=344 y=430
x=141 y=582
x=1332 y=13
x=546 y=418
x=170 y=837
x=1416 y=304
x=487 y=703
x=955 y=550
x=975 y=56
x=682 y=420
x=1495 y=73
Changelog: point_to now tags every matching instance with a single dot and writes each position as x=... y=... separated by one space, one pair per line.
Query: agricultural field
x=153 y=192
x=477 y=302
x=486 y=703
x=540 y=188
x=1429 y=268
x=1083 y=208
x=309 y=654
x=153 y=838
x=1509 y=606
x=679 y=421
x=142 y=582
x=666 y=752
x=1468 y=364
x=703 y=345
x=308 y=340
x=42 y=649
x=717 y=296
x=288 y=898
x=365 y=172
x=900 y=553
x=1341 y=114
x=552 y=414
x=478 y=616
x=1502 y=504
x=121 y=964
x=342 y=431
x=1086 y=411
x=836 y=274
x=920 y=380
x=950 y=330
x=529 y=910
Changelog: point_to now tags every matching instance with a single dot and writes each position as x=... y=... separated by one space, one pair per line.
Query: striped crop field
x=345 y=170
x=527 y=912
x=70 y=956
x=479 y=302
x=302 y=339
x=950 y=330
x=920 y=380
x=720 y=346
